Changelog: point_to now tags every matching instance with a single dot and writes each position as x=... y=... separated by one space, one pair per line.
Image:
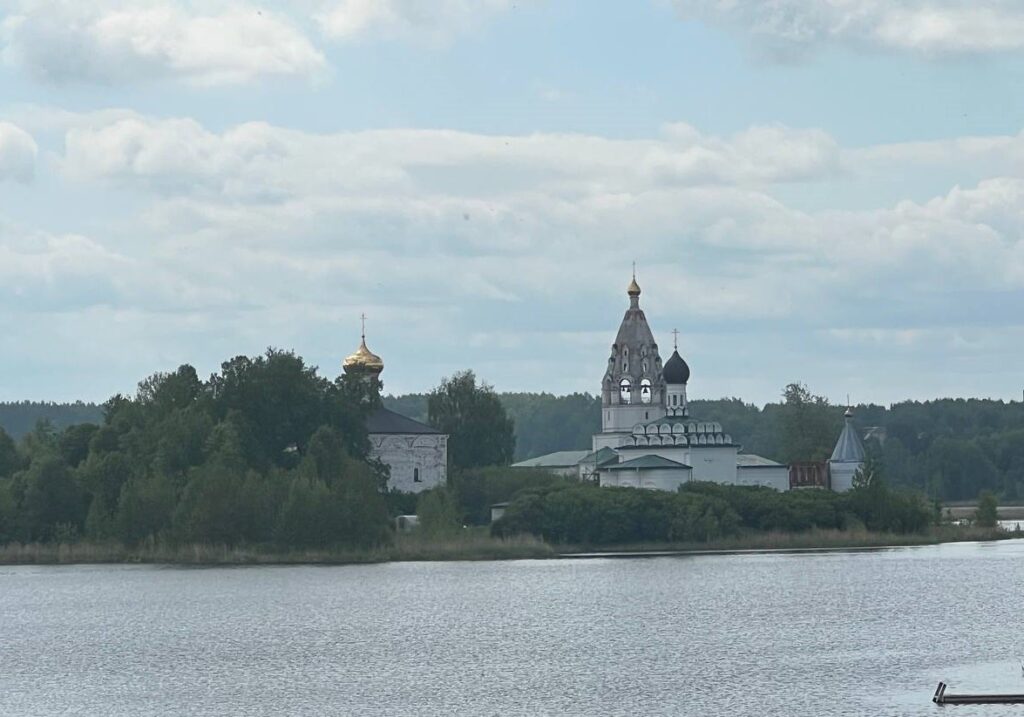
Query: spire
x=848 y=448
x=634 y=291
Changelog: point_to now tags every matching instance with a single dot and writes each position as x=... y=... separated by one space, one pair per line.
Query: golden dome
x=634 y=288
x=364 y=359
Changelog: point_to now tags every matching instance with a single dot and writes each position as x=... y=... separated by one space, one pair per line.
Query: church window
x=625 y=366
x=625 y=391
x=675 y=399
x=645 y=366
x=416 y=475
x=645 y=389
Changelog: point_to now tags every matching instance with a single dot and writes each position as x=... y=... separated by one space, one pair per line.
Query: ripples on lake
x=866 y=633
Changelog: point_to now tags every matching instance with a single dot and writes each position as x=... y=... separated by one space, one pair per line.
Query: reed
x=472 y=546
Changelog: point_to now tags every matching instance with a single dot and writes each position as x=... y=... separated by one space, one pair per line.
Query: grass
x=471 y=544
x=808 y=540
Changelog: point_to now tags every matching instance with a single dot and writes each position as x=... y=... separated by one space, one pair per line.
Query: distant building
x=563 y=463
x=648 y=438
x=847 y=457
x=415 y=453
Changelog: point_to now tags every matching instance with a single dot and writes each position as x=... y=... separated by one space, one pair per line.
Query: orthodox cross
x=675 y=339
x=362 y=318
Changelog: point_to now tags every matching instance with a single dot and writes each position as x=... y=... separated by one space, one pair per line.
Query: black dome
x=676 y=370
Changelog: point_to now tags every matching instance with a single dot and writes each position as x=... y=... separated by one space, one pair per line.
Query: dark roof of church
x=676 y=370
x=384 y=421
x=648 y=462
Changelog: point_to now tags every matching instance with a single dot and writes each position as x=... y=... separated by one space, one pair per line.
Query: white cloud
x=17 y=153
x=260 y=161
x=434 y=22
x=930 y=27
x=198 y=43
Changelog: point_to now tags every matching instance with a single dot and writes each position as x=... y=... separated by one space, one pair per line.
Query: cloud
x=17 y=153
x=256 y=234
x=434 y=22
x=257 y=161
x=108 y=41
x=928 y=27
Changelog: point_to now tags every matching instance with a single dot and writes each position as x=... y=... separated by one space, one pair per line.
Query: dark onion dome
x=676 y=370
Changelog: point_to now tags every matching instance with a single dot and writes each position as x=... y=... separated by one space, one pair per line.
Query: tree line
x=950 y=449
x=265 y=451
x=585 y=514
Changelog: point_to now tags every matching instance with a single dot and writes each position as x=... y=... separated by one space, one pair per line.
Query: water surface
x=845 y=633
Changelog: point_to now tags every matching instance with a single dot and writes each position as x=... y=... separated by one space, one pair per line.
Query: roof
x=559 y=459
x=752 y=460
x=599 y=457
x=676 y=370
x=383 y=420
x=649 y=462
x=848 y=448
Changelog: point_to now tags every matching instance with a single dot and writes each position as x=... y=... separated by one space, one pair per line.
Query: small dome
x=364 y=360
x=634 y=288
x=676 y=370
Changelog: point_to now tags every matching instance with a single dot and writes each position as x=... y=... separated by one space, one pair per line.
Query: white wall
x=651 y=478
x=841 y=475
x=776 y=477
x=715 y=464
x=624 y=416
x=404 y=453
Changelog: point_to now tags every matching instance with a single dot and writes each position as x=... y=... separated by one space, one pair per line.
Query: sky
x=823 y=191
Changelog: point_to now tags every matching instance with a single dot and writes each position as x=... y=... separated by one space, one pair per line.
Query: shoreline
x=477 y=547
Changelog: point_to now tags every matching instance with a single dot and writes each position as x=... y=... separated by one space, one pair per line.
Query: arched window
x=625 y=391
x=416 y=475
x=645 y=390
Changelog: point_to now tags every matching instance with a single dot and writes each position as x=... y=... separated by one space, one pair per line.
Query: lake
x=842 y=633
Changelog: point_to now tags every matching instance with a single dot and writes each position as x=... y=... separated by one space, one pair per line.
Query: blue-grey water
x=845 y=633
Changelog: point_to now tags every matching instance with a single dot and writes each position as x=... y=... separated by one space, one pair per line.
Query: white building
x=415 y=453
x=648 y=438
x=847 y=458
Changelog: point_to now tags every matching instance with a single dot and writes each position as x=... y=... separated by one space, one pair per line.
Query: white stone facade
x=418 y=462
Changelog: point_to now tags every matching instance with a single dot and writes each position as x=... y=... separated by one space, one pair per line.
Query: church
x=648 y=438
x=416 y=454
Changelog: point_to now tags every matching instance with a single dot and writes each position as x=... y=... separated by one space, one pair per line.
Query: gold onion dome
x=634 y=288
x=364 y=359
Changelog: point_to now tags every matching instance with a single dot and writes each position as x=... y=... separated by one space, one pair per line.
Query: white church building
x=416 y=454
x=648 y=438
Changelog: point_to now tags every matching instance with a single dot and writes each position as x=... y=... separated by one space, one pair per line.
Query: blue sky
x=830 y=192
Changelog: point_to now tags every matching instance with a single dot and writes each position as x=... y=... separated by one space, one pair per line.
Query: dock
x=941 y=698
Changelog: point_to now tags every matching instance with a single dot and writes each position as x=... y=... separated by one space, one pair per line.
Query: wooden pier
x=941 y=698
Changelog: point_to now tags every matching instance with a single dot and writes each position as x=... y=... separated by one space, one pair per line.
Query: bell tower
x=633 y=388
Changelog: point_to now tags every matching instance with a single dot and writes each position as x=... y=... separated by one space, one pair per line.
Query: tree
x=481 y=433
x=51 y=499
x=10 y=461
x=438 y=513
x=810 y=425
x=987 y=515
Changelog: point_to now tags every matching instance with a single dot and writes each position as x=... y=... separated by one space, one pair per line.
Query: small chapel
x=416 y=454
x=649 y=439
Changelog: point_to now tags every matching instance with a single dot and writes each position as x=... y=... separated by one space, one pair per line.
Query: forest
x=948 y=449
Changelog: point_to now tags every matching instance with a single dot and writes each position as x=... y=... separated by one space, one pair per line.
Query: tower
x=847 y=458
x=676 y=375
x=633 y=388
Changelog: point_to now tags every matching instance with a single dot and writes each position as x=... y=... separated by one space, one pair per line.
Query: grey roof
x=383 y=420
x=649 y=462
x=559 y=459
x=600 y=457
x=752 y=460
x=848 y=448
